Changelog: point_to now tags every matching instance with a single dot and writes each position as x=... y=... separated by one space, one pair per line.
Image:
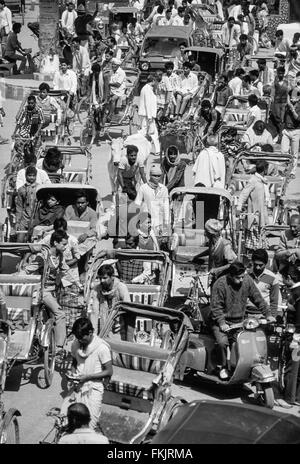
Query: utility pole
x=49 y=18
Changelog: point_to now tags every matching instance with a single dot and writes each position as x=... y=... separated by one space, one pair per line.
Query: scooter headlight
x=250 y=324
x=145 y=66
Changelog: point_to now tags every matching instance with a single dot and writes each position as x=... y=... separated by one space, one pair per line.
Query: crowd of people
x=180 y=94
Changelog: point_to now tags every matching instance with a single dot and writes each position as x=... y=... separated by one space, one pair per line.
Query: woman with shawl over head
x=173 y=168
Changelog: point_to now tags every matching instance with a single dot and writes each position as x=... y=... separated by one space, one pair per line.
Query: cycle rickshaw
x=123 y=116
x=139 y=393
x=129 y=265
x=191 y=207
x=28 y=335
x=77 y=163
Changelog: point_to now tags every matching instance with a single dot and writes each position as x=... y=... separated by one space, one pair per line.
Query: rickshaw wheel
x=49 y=358
x=10 y=433
x=169 y=411
x=265 y=395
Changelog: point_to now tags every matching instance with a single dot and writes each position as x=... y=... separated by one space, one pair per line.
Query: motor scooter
x=247 y=359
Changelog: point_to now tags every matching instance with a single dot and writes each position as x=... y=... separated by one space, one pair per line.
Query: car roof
x=216 y=422
x=216 y=51
x=169 y=31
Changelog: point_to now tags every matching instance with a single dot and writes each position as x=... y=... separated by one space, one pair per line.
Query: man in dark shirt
x=228 y=306
x=81 y=23
x=291 y=132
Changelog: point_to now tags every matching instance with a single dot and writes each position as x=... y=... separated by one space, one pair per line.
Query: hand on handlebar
x=271 y=319
x=224 y=327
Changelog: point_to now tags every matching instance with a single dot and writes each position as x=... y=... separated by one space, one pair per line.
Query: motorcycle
x=247 y=359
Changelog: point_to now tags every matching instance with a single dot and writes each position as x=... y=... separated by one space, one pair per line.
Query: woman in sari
x=173 y=168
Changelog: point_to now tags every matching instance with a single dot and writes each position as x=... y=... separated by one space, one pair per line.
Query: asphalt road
x=22 y=390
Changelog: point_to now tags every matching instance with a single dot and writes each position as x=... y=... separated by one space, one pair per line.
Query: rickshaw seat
x=137 y=356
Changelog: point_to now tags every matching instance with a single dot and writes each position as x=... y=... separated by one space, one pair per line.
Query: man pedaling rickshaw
x=117 y=88
x=57 y=270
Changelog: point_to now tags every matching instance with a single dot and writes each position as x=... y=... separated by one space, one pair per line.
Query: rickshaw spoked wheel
x=49 y=357
x=9 y=430
x=281 y=367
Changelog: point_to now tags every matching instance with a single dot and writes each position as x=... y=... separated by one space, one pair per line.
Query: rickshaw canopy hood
x=182 y=32
x=203 y=191
x=66 y=193
x=123 y=9
x=161 y=313
x=129 y=254
x=267 y=156
x=65 y=150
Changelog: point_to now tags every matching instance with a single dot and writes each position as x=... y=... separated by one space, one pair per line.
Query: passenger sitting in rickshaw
x=48 y=105
x=104 y=296
x=30 y=160
x=57 y=269
x=220 y=251
x=29 y=124
x=71 y=253
x=117 y=87
x=164 y=94
x=52 y=163
x=80 y=211
x=173 y=168
x=187 y=87
x=45 y=215
x=25 y=200
x=204 y=80
x=257 y=136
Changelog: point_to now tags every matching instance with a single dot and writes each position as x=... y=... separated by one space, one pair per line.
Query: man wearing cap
x=148 y=111
x=153 y=198
x=117 y=87
x=81 y=24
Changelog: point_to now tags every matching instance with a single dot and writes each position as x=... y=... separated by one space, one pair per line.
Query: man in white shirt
x=188 y=85
x=117 y=85
x=254 y=113
x=148 y=112
x=236 y=83
x=81 y=58
x=153 y=198
x=158 y=15
x=41 y=176
x=5 y=25
x=68 y=17
x=209 y=168
x=173 y=79
x=163 y=93
x=165 y=20
x=178 y=19
x=65 y=79
x=230 y=33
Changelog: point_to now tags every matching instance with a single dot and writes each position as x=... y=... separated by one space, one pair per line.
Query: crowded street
x=150 y=221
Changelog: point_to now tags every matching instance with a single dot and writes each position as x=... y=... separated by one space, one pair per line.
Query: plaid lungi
x=72 y=303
